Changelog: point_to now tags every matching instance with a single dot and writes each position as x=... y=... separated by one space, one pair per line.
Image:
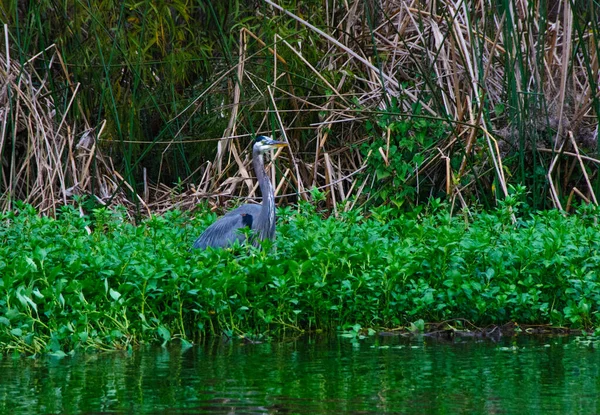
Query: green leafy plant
x=100 y=282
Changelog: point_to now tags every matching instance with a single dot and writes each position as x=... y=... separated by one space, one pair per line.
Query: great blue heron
x=259 y=218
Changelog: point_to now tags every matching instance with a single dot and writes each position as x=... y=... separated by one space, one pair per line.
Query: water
x=542 y=375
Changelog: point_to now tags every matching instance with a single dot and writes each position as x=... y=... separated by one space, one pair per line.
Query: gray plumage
x=227 y=229
x=259 y=218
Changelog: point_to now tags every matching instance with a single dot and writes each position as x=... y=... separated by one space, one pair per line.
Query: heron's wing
x=226 y=229
x=248 y=209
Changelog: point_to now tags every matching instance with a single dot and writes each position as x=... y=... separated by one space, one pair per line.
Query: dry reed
x=46 y=159
x=454 y=60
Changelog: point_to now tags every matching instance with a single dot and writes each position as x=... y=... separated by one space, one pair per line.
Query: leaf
x=40 y=253
x=417 y=326
x=58 y=354
x=24 y=299
x=499 y=109
x=382 y=173
x=114 y=294
x=31 y=263
x=185 y=344
x=164 y=333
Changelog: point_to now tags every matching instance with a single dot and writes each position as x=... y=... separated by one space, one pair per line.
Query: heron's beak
x=275 y=143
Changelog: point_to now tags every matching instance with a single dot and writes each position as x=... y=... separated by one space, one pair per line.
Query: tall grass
x=382 y=101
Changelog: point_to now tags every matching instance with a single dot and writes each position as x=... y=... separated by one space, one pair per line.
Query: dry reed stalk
x=329 y=180
x=322 y=137
x=581 y=195
x=583 y=169
x=42 y=161
x=568 y=153
x=570 y=199
x=260 y=42
x=312 y=68
x=331 y=39
x=282 y=185
x=554 y=193
x=298 y=177
x=448 y=175
x=242 y=169
x=566 y=45
x=139 y=198
x=223 y=145
x=340 y=183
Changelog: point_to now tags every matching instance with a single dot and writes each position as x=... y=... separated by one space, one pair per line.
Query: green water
x=549 y=375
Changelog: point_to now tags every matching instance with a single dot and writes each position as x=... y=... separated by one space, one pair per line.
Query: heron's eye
x=261 y=140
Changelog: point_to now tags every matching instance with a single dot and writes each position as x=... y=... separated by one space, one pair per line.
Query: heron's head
x=264 y=143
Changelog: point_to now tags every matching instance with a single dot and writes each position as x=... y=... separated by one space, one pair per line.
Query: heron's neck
x=267 y=213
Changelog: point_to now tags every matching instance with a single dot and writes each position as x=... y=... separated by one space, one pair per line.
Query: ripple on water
x=330 y=376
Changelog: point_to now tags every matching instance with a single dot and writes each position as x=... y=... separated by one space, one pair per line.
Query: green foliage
x=64 y=289
x=399 y=147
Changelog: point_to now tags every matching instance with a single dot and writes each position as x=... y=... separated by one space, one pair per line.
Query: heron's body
x=259 y=218
x=226 y=230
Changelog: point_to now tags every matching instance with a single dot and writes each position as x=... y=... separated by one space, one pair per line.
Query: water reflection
x=315 y=375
